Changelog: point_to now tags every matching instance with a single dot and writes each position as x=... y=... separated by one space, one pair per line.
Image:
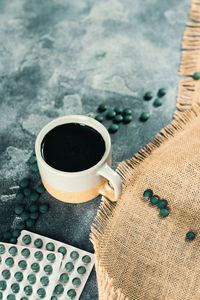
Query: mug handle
x=112 y=193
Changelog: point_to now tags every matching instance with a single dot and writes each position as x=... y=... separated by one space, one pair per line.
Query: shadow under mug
x=82 y=186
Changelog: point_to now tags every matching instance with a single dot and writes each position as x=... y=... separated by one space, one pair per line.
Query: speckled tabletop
x=65 y=57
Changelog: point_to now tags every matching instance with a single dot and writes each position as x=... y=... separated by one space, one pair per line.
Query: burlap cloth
x=140 y=255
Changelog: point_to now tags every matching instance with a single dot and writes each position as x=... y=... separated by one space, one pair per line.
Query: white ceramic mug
x=77 y=187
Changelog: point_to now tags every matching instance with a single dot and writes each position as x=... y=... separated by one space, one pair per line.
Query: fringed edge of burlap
x=190 y=62
x=107 y=289
x=188 y=94
x=188 y=108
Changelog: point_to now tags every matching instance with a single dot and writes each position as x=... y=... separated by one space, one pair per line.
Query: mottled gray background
x=60 y=57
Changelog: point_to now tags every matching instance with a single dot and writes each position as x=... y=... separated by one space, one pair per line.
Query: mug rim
x=82 y=119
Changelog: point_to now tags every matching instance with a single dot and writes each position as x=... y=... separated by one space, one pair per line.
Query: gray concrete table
x=65 y=57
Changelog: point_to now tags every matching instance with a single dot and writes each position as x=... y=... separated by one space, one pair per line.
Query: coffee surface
x=72 y=147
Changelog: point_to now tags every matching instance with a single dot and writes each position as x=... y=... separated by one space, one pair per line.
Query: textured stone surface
x=63 y=57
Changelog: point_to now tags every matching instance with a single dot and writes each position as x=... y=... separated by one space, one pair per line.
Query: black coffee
x=72 y=147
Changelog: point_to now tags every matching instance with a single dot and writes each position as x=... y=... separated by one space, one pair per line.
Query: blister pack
x=27 y=273
x=75 y=267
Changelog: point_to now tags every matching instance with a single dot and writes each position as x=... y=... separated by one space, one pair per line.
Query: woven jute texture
x=195 y=11
x=140 y=255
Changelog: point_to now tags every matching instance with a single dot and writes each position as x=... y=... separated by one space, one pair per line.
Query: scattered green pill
x=13 y=251
x=162 y=92
x=81 y=270
x=13 y=240
x=74 y=255
x=26 y=239
x=54 y=298
x=25 y=253
x=32 y=159
x=33 y=208
x=38 y=255
x=190 y=235
x=22 y=264
x=69 y=266
x=50 y=246
x=62 y=250
x=158 y=102
x=154 y=200
x=102 y=107
x=41 y=293
x=127 y=119
x=113 y=128
x=118 y=110
x=59 y=289
x=148 y=96
x=118 y=119
x=162 y=204
x=24 y=182
x=24 y=298
x=144 y=116
x=30 y=223
x=196 y=75
x=34 y=167
x=51 y=257
x=99 y=118
x=40 y=189
x=7 y=235
x=148 y=194
x=48 y=269
x=31 y=278
x=127 y=111
x=86 y=259
x=19 y=196
x=9 y=261
x=28 y=290
x=35 y=267
x=19 y=209
x=3 y=285
x=110 y=114
x=38 y=243
x=34 y=215
x=16 y=233
x=20 y=225
x=71 y=293
x=27 y=192
x=15 y=288
x=19 y=276
x=164 y=212
x=6 y=274
x=76 y=282
x=43 y=208
x=64 y=278
x=34 y=196
x=25 y=215
x=2 y=249
x=44 y=280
